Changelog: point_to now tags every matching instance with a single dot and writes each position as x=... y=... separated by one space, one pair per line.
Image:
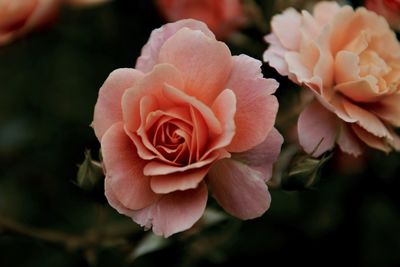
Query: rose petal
x=190 y=179
x=124 y=169
x=151 y=84
x=317 y=129
x=388 y=109
x=348 y=142
x=255 y=109
x=346 y=67
x=181 y=98
x=286 y=26
x=108 y=107
x=367 y=120
x=205 y=63
x=263 y=156
x=370 y=139
x=325 y=11
x=359 y=91
x=275 y=55
x=151 y=49
x=239 y=189
x=174 y=212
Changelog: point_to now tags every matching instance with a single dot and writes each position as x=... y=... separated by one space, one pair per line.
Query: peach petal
x=359 y=91
x=255 y=108
x=325 y=11
x=165 y=184
x=348 y=142
x=346 y=67
x=205 y=63
x=388 y=109
x=150 y=52
x=297 y=67
x=151 y=84
x=263 y=156
x=174 y=212
x=124 y=169
x=285 y=27
x=181 y=98
x=108 y=107
x=317 y=129
x=370 y=139
x=199 y=135
x=367 y=120
x=239 y=189
x=113 y=200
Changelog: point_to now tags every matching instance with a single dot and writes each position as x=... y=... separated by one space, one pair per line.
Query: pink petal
x=348 y=142
x=181 y=98
x=158 y=168
x=275 y=55
x=317 y=129
x=255 y=109
x=297 y=67
x=263 y=156
x=158 y=37
x=286 y=27
x=370 y=139
x=239 y=189
x=190 y=179
x=205 y=63
x=124 y=170
x=224 y=108
x=108 y=107
x=151 y=84
x=174 y=212
x=113 y=200
x=367 y=120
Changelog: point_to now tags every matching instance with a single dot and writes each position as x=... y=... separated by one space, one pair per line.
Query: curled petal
x=108 y=107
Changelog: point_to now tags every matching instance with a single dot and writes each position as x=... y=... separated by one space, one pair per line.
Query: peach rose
x=17 y=17
x=390 y=9
x=189 y=115
x=222 y=16
x=350 y=60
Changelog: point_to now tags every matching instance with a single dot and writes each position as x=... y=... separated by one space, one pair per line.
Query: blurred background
x=49 y=82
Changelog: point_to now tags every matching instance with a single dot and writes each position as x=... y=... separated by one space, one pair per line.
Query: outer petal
x=205 y=63
x=367 y=120
x=317 y=129
x=174 y=212
x=263 y=156
x=151 y=84
x=255 y=109
x=124 y=170
x=286 y=26
x=108 y=107
x=239 y=189
x=348 y=142
x=325 y=11
x=150 y=51
x=370 y=139
x=388 y=109
x=275 y=55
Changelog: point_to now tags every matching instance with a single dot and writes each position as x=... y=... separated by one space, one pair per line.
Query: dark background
x=48 y=87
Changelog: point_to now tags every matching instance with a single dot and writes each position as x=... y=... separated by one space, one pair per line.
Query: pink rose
x=390 y=9
x=189 y=115
x=350 y=60
x=222 y=16
x=17 y=17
